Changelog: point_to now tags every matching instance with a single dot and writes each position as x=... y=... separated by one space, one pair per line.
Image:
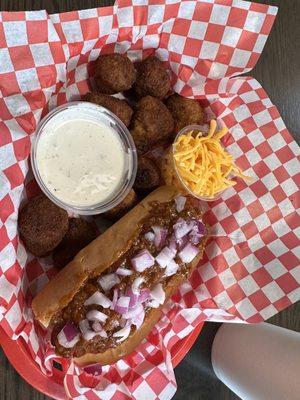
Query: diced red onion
x=84 y=326
x=142 y=261
x=133 y=297
x=108 y=281
x=122 y=333
x=194 y=237
x=115 y=299
x=98 y=299
x=70 y=330
x=171 y=268
x=138 y=319
x=134 y=292
x=122 y=304
x=95 y=369
x=152 y=303
x=188 y=253
x=160 y=235
x=144 y=295
x=95 y=315
x=123 y=271
x=182 y=242
x=174 y=252
x=182 y=228
x=201 y=227
x=158 y=293
x=133 y=312
x=87 y=332
x=197 y=232
x=149 y=236
x=180 y=203
x=165 y=256
x=68 y=336
x=136 y=284
x=97 y=327
x=172 y=244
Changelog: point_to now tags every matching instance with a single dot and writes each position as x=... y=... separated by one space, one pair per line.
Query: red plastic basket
x=53 y=386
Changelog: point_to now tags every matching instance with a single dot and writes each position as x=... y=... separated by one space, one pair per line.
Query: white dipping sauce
x=81 y=161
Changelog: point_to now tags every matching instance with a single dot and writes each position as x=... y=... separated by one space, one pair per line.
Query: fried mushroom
x=119 y=107
x=42 y=225
x=114 y=73
x=152 y=122
x=185 y=111
x=148 y=175
x=79 y=235
x=152 y=79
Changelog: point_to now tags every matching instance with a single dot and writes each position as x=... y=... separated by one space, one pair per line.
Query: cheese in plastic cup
x=170 y=172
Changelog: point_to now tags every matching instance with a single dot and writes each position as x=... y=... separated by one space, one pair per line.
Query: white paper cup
x=258 y=362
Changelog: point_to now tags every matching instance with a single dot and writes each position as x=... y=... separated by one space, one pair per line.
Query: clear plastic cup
x=94 y=113
x=180 y=182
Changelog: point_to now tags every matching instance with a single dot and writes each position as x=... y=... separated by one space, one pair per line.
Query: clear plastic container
x=181 y=183
x=93 y=113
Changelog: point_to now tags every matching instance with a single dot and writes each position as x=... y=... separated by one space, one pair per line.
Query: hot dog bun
x=92 y=261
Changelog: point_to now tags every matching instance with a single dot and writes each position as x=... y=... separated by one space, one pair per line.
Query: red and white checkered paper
x=251 y=266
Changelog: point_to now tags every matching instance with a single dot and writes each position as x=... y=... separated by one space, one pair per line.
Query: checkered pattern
x=251 y=266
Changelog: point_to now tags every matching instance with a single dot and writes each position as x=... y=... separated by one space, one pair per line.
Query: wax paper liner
x=251 y=266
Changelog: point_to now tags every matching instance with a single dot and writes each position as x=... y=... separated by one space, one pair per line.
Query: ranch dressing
x=80 y=161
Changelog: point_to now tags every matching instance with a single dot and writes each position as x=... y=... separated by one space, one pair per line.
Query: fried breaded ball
x=42 y=225
x=79 y=235
x=114 y=73
x=152 y=122
x=185 y=111
x=119 y=107
x=148 y=175
x=123 y=207
x=152 y=79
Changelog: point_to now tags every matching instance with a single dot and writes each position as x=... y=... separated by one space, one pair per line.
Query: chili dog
x=105 y=302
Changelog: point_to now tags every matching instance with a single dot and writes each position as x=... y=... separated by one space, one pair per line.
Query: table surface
x=278 y=70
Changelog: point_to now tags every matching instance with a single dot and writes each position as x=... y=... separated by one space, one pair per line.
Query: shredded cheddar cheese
x=202 y=163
